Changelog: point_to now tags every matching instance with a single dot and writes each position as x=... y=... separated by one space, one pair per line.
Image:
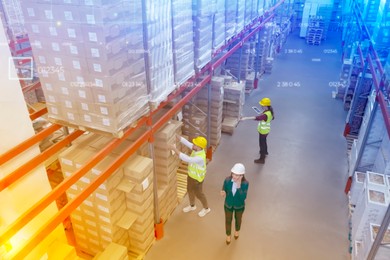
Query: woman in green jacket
x=234 y=190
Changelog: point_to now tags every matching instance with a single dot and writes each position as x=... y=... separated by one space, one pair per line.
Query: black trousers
x=263 y=145
x=229 y=219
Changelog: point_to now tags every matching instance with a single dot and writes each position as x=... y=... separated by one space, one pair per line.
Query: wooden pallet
x=182 y=181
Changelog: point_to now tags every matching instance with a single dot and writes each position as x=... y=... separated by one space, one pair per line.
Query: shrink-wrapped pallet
x=90 y=62
x=183 y=40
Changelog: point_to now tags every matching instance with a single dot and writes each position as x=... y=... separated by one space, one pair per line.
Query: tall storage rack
x=370 y=152
x=148 y=122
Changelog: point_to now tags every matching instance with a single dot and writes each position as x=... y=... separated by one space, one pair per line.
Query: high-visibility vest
x=194 y=170
x=265 y=126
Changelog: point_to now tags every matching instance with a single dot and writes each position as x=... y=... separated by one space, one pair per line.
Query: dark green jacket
x=238 y=200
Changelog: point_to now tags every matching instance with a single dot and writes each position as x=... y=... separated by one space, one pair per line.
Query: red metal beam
x=38 y=207
x=33 y=163
x=23 y=51
x=57 y=219
x=37 y=114
x=5 y=157
x=376 y=58
x=373 y=73
x=360 y=55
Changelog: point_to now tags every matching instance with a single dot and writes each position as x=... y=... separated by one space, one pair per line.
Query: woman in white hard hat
x=234 y=190
x=263 y=127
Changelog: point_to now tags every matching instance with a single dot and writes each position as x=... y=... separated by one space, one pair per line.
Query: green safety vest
x=265 y=126
x=194 y=170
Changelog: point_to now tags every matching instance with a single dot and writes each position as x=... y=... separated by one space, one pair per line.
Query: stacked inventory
x=370 y=209
x=234 y=98
x=166 y=165
x=368 y=240
x=345 y=74
x=359 y=102
x=268 y=65
x=371 y=204
x=203 y=12
x=357 y=187
x=158 y=47
x=350 y=89
x=240 y=15
x=183 y=42
x=138 y=175
x=380 y=34
x=91 y=63
x=219 y=25
x=325 y=13
x=230 y=19
x=96 y=222
x=248 y=11
x=336 y=16
x=238 y=62
x=315 y=30
x=264 y=48
x=216 y=105
x=195 y=121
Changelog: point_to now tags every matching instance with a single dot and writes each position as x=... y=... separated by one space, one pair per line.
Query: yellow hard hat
x=200 y=141
x=265 y=102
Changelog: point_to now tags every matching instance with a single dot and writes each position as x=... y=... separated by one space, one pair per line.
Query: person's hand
x=178 y=137
x=238 y=183
x=223 y=193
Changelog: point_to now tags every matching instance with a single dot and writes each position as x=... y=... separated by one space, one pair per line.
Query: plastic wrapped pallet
x=240 y=17
x=158 y=48
x=183 y=40
x=203 y=12
x=219 y=25
x=91 y=72
x=231 y=23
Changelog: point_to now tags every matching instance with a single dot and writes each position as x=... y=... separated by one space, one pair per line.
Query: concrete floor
x=296 y=206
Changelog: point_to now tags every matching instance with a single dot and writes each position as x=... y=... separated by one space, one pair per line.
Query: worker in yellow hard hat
x=196 y=171
x=263 y=127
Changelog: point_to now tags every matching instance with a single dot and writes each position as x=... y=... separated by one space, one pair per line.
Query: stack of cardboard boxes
x=166 y=165
x=90 y=61
x=216 y=105
x=238 y=63
x=140 y=203
x=121 y=208
x=183 y=42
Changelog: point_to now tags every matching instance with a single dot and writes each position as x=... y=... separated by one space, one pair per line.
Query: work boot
x=261 y=159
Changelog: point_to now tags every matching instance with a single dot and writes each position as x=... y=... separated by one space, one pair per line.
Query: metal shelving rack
x=378 y=110
x=200 y=80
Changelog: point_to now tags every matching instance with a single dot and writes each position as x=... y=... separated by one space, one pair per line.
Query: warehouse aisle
x=296 y=206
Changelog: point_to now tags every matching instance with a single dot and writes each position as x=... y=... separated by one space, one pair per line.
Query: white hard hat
x=238 y=168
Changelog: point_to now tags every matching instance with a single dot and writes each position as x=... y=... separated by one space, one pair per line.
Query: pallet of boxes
x=216 y=107
x=234 y=98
